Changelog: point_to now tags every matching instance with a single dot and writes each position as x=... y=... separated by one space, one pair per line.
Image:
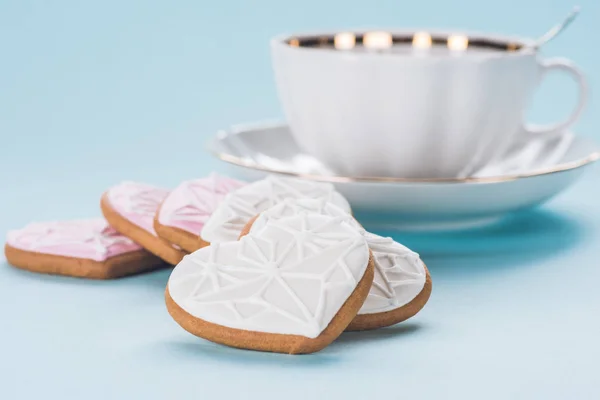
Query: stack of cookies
x=275 y=265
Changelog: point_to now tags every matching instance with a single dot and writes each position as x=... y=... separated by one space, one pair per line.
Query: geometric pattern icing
x=189 y=205
x=241 y=205
x=289 y=207
x=137 y=202
x=291 y=276
x=399 y=272
x=91 y=239
x=399 y=275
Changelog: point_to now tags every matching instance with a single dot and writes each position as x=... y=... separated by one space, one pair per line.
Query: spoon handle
x=555 y=30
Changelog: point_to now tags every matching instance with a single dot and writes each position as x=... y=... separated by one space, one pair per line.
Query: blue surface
x=94 y=93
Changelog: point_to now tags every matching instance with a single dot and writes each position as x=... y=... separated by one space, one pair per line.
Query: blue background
x=92 y=93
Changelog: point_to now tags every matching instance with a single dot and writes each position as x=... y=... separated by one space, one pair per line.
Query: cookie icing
x=91 y=239
x=190 y=204
x=291 y=207
x=290 y=276
x=399 y=275
x=399 y=272
x=241 y=205
x=137 y=202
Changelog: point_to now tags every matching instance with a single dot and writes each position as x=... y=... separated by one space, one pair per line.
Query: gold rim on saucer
x=246 y=163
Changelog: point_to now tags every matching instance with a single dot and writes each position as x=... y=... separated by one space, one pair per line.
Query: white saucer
x=531 y=175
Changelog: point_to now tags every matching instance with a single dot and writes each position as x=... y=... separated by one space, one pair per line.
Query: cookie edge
x=184 y=239
x=114 y=267
x=154 y=244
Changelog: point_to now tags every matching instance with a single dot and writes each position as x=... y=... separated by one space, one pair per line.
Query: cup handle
x=565 y=65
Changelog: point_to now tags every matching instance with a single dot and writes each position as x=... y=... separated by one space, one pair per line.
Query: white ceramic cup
x=417 y=114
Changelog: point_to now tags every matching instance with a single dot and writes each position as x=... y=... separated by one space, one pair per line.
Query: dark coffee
x=384 y=40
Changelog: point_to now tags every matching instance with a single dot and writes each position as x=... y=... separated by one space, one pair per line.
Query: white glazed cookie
x=241 y=205
x=291 y=285
x=290 y=207
x=400 y=275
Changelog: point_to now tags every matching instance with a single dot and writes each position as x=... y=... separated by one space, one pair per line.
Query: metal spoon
x=556 y=29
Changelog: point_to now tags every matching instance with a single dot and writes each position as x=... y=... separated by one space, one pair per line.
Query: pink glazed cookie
x=186 y=209
x=82 y=248
x=130 y=208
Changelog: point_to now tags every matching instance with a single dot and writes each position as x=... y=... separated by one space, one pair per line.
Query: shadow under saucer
x=520 y=239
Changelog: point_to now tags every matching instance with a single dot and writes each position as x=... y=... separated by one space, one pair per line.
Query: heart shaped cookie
x=241 y=205
x=87 y=248
x=185 y=210
x=401 y=286
x=291 y=285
